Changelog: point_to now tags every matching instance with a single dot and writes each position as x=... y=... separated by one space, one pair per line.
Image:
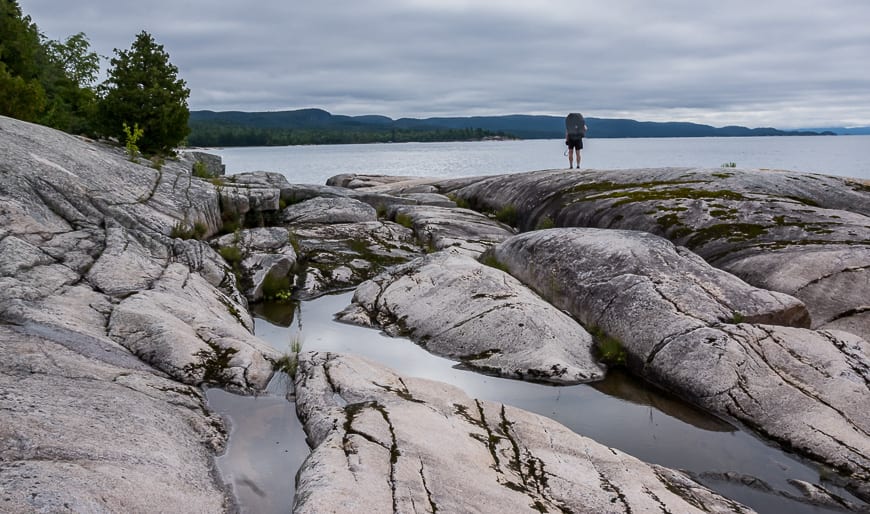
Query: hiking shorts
x=574 y=142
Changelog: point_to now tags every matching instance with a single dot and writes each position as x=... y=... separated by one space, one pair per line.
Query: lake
x=267 y=444
x=831 y=155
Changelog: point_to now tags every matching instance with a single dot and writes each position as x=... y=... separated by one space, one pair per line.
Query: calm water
x=831 y=155
x=267 y=444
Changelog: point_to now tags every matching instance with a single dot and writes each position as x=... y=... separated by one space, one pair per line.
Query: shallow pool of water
x=622 y=412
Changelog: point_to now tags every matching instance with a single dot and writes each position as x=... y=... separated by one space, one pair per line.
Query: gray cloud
x=783 y=63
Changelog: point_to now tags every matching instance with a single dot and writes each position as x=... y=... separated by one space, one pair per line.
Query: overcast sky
x=780 y=63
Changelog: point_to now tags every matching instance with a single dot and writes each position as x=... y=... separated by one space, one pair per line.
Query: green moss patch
x=731 y=232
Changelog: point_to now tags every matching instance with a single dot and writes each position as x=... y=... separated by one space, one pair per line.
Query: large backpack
x=575 y=125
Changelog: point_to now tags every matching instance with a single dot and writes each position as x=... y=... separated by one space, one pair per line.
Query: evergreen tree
x=143 y=89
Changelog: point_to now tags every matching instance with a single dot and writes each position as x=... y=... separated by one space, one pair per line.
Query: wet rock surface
x=456 y=307
x=383 y=443
x=673 y=315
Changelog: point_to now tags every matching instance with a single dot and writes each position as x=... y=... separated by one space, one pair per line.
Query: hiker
x=575 y=131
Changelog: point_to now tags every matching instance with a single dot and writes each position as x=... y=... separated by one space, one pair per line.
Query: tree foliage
x=45 y=81
x=218 y=134
x=23 y=96
x=143 y=88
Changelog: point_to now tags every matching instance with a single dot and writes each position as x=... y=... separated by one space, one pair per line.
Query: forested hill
x=316 y=126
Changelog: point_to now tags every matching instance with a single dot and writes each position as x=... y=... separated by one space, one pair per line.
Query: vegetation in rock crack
x=132 y=135
x=289 y=362
x=404 y=220
x=460 y=202
x=200 y=170
x=381 y=211
x=232 y=254
x=489 y=259
x=508 y=215
x=181 y=230
x=610 y=349
x=277 y=288
x=545 y=223
x=157 y=162
x=212 y=364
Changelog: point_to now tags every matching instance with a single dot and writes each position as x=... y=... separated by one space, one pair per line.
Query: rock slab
x=456 y=307
x=386 y=443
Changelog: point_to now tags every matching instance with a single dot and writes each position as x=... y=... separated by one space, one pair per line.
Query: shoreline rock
x=382 y=443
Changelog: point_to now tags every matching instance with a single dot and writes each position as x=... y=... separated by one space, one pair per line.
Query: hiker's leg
x=570 y=157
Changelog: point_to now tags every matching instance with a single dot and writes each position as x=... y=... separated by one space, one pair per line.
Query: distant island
x=317 y=126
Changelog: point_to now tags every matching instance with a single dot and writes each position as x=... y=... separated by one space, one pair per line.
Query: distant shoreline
x=316 y=126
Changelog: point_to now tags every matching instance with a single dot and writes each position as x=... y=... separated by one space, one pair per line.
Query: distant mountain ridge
x=844 y=131
x=519 y=125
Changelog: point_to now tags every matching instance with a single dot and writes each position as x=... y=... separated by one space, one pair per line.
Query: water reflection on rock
x=620 y=384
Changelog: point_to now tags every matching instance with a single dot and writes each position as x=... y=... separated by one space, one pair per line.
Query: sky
x=757 y=63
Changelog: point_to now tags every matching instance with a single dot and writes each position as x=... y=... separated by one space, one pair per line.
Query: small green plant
x=289 y=362
x=489 y=259
x=232 y=222
x=460 y=202
x=545 y=223
x=131 y=138
x=157 y=162
x=404 y=220
x=610 y=349
x=200 y=170
x=381 y=211
x=508 y=215
x=293 y=239
x=729 y=165
x=197 y=231
x=231 y=254
x=213 y=364
x=277 y=288
x=737 y=317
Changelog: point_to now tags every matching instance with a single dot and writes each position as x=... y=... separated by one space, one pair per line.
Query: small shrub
x=381 y=211
x=232 y=222
x=199 y=230
x=157 y=162
x=489 y=259
x=199 y=170
x=213 y=364
x=289 y=362
x=131 y=138
x=179 y=230
x=610 y=349
x=359 y=246
x=545 y=223
x=729 y=165
x=508 y=215
x=277 y=288
x=737 y=318
x=462 y=203
x=404 y=220
x=231 y=254
x=182 y=231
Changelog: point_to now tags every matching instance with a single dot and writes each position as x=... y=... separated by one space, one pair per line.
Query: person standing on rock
x=575 y=131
